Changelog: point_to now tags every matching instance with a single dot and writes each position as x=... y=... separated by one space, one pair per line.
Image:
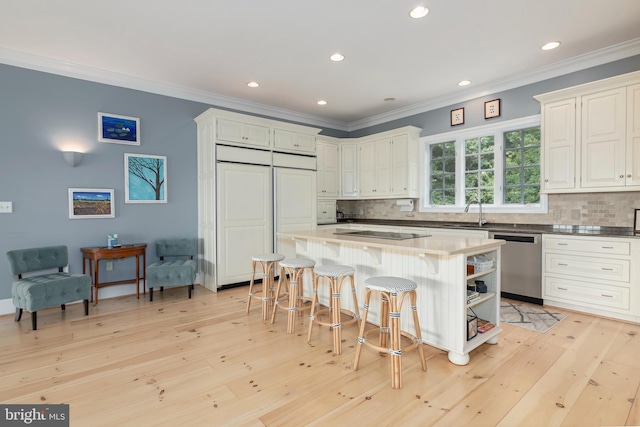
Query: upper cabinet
x=294 y=142
x=389 y=164
x=327 y=177
x=243 y=133
x=349 y=178
x=591 y=136
x=375 y=168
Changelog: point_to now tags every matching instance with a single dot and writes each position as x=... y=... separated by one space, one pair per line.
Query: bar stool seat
x=336 y=274
x=267 y=263
x=392 y=291
x=292 y=271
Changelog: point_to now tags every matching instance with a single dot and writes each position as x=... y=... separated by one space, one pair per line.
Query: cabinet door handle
x=562 y=289
x=563 y=264
x=607 y=247
x=607 y=296
x=607 y=269
x=563 y=244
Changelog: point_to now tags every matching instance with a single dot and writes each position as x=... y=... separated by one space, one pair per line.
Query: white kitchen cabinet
x=591 y=137
x=558 y=167
x=237 y=132
x=596 y=275
x=405 y=164
x=349 y=170
x=603 y=142
x=633 y=136
x=294 y=142
x=375 y=168
x=244 y=226
x=327 y=157
x=389 y=164
x=242 y=182
x=326 y=211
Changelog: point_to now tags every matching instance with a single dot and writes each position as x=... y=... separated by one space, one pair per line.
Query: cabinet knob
x=621 y=176
x=628 y=175
x=546 y=180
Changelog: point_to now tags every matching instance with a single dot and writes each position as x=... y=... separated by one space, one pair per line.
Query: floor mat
x=534 y=319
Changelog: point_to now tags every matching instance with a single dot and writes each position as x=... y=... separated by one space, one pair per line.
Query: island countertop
x=430 y=245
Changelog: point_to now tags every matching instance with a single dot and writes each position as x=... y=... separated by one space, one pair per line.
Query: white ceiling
x=208 y=50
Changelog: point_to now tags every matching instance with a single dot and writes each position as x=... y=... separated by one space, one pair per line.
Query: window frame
x=497 y=130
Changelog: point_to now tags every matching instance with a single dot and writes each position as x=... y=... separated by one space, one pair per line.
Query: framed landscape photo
x=145 y=178
x=492 y=109
x=636 y=222
x=457 y=116
x=91 y=203
x=118 y=129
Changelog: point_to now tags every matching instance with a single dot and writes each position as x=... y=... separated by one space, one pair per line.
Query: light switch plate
x=6 y=207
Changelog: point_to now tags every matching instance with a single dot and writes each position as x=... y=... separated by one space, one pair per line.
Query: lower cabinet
x=326 y=211
x=596 y=275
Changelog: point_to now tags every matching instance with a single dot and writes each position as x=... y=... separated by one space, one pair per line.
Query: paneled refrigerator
x=257 y=196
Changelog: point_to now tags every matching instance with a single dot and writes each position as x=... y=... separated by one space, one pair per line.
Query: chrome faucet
x=481 y=221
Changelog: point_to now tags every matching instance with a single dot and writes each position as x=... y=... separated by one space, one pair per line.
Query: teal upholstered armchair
x=49 y=289
x=179 y=271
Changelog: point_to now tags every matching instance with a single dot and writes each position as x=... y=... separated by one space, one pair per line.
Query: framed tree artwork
x=145 y=178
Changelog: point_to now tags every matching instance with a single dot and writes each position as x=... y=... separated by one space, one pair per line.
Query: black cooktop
x=390 y=235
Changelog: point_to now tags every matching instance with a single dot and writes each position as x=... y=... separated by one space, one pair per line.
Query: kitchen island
x=438 y=264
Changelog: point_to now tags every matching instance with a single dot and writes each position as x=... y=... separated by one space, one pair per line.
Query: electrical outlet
x=109 y=265
x=6 y=207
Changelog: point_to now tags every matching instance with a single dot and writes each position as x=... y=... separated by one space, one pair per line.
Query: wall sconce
x=73 y=158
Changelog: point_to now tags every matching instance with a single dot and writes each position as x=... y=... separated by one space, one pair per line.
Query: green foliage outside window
x=443 y=174
x=479 y=169
x=522 y=166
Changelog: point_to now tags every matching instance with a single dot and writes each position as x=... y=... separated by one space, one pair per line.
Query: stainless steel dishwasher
x=521 y=277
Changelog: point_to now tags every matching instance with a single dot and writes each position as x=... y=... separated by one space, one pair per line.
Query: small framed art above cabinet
x=591 y=136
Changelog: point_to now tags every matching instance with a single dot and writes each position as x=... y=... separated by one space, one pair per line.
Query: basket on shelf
x=477 y=264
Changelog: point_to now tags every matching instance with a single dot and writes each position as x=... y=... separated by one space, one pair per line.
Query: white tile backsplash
x=601 y=209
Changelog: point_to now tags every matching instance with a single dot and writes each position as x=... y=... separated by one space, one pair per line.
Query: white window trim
x=496 y=129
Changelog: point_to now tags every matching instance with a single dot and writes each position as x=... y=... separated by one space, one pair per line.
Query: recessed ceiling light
x=464 y=83
x=550 y=45
x=418 y=12
x=337 y=57
x=253 y=84
x=322 y=102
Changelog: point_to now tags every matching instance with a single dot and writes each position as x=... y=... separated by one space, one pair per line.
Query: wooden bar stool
x=336 y=275
x=292 y=270
x=267 y=263
x=392 y=291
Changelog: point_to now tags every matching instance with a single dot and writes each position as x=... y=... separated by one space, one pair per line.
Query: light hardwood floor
x=203 y=362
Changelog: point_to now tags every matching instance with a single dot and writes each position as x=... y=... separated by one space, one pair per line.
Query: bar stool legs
x=336 y=274
x=294 y=269
x=267 y=264
x=392 y=291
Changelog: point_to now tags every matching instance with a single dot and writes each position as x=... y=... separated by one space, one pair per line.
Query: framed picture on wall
x=91 y=203
x=457 y=116
x=118 y=129
x=145 y=178
x=636 y=222
x=492 y=109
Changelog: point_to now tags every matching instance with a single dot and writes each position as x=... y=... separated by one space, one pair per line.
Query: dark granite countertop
x=575 y=230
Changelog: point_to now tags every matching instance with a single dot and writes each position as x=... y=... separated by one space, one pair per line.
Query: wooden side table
x=94 y=255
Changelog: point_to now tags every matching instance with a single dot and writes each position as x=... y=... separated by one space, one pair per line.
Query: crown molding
x=68 y=69
x=97 y=75
x=581 y=62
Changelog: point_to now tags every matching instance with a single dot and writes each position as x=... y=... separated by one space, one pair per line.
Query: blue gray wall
x=515 y=103
x=40 y=113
